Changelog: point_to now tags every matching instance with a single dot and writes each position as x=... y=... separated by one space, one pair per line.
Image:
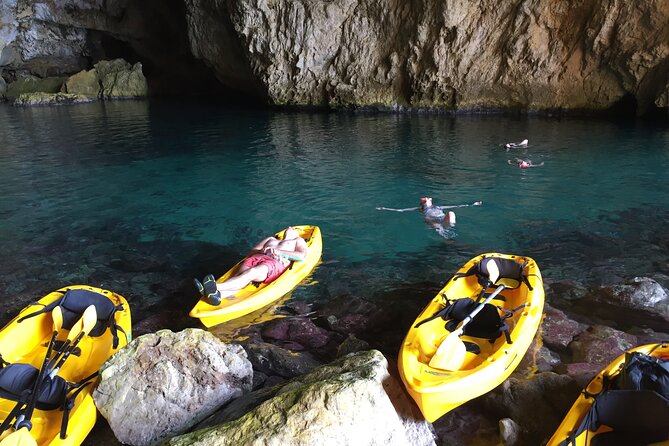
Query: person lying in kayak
x=524 y=164
x=435 y=215
x=264 y=263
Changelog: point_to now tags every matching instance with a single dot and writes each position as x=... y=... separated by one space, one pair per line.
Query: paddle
x=88 y=321
x=24 y=419
x=451 y=352
x=20 y=437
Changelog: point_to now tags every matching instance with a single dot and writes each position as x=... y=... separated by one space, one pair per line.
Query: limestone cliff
x=570 y=55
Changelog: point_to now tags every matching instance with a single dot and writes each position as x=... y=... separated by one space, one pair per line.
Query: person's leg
x=450 y=218
x=229 y=287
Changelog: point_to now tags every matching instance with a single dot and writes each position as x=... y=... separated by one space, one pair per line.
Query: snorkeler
x=516 y=145
x=434 y=215
x=524 y=163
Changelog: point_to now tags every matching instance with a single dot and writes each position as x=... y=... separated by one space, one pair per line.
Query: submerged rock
x=341 y=403
x=163 y=383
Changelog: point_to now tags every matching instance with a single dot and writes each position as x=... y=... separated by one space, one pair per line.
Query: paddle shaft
x=36 y=387
x=66 y=355
x=479 y=308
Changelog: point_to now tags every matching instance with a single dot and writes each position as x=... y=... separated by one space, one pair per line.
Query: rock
x=583 y=372
x=163 y=383
x=297 y=329
x=347 y=53
x=274 y=360
x=537 y=359
x=642 y=293
x=349 y=314
x=640 y=302
x=120 y=80
x=84 y=83
x=540 y=402
x=509 y=431
x=467 y=425
x=565 y=291
x=599 y=345
x=3 y=89
x=339 y=403
x=351 y=345
x=39 y=99
x=33 y=85
x=558 y=330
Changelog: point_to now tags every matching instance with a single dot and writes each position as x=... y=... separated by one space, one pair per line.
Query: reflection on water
x=86 y=188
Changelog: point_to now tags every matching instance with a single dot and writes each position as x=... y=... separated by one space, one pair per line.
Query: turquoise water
x=82 y=184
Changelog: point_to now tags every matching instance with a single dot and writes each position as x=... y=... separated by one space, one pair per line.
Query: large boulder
x=342 y=403
x=639 y=302
x=119 y=79
x=163 y=383
x=85 y=83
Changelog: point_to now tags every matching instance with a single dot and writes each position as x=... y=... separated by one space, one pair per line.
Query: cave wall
x=550 y=55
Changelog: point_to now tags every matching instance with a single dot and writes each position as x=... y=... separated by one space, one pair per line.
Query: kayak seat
x=17 y=382
x=487 y=324
x=74 y=302
x=641 y=416
x=511 y=274
x=634 y=404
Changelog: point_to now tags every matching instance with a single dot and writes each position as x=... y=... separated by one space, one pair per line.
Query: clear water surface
x=83 y=186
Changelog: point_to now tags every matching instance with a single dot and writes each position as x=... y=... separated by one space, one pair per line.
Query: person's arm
x=396 y=210
x=258 y=248
x=476 y=203
x=299 y=254
x=537 y=165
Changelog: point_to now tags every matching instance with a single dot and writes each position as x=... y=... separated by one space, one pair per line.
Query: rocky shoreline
x=328 y=371
x=107 y=80
x=589 y=319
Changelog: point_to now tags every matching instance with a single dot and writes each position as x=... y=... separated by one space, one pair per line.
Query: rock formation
x=163 y=383
x=341 y=403
x=421 y=54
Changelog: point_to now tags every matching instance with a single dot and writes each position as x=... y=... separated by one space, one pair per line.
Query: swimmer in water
x=435 y=215
x=524 y=164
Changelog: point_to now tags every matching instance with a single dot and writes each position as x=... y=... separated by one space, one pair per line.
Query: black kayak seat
x=17 y=381
x=73 y=304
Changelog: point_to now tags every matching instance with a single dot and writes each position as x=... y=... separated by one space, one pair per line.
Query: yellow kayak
x=23 y=346
x=626 y=403
x=447 y=358
x=255 y=296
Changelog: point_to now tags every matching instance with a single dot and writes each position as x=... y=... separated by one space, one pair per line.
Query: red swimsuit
x=274 y=267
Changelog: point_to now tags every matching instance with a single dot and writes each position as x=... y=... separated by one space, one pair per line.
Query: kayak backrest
x=74 y=302
x=634 y=403
x=17 y=381
x=511 y=272
x=635 y=417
